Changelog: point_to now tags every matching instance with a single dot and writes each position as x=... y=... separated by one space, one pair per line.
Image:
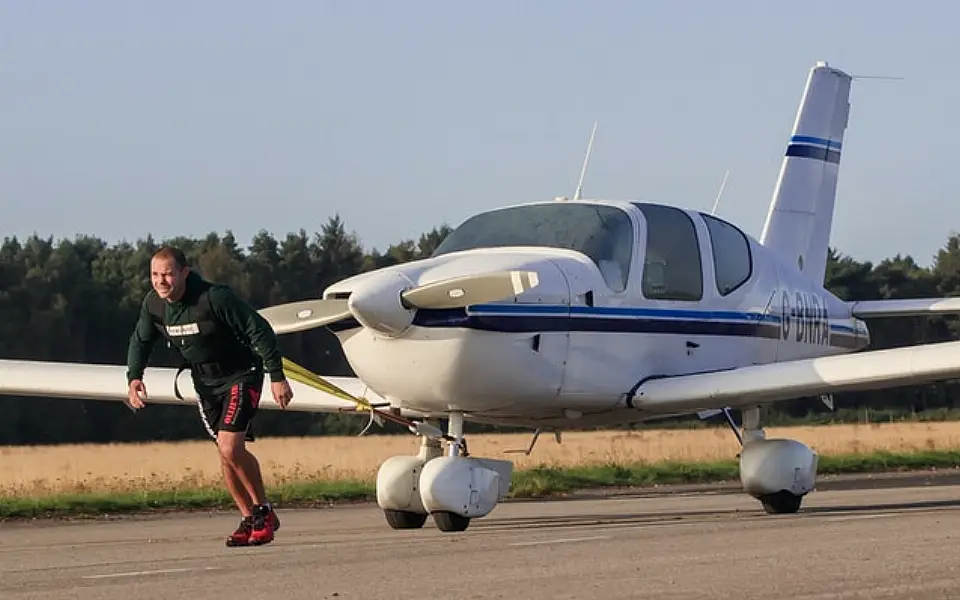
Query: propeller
x=469 y=289
x=305 y=314
x=375 y=303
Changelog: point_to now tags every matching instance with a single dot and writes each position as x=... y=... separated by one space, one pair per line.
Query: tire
x=781 y=503
x=450 y=522
x=402 y=519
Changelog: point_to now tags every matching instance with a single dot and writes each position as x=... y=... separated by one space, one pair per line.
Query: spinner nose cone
x=376 y=304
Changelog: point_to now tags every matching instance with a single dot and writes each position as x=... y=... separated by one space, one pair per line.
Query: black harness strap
x=231 y=357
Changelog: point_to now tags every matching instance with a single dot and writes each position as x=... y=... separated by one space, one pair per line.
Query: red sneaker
x=265 y=523
x=241 y=537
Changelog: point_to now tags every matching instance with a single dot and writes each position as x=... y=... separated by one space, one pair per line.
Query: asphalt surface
x=880 y=537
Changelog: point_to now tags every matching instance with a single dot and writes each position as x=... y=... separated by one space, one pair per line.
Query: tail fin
x=801 y=211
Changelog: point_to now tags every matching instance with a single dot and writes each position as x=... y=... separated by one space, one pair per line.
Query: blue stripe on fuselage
x=532 y=318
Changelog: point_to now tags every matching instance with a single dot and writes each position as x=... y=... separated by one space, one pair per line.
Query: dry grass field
x=37 y=471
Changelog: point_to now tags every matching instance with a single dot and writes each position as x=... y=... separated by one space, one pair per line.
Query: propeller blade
x=305 y=314
x=470 y=289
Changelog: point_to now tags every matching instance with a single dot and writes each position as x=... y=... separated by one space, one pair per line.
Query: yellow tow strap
x=307 y=377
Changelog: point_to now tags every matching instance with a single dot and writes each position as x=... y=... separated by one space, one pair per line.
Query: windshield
x=603 y=233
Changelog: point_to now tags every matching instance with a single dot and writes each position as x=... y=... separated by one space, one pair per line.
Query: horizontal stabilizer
x=915 y=307
x=796 y=379
x=108 y=382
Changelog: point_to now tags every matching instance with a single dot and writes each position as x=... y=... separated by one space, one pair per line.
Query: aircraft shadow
x=881 y=507
x=585 y=520
x=713 y=515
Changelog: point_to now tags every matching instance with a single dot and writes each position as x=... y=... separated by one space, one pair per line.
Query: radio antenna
x=583 y=171
x=723 y=184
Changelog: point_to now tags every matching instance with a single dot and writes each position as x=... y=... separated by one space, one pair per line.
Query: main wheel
x=448 y=521
x=402 y=519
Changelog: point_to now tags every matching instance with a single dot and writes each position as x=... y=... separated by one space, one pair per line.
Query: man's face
x=168 y=281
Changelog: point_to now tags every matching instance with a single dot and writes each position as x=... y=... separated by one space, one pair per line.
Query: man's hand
x=281 y=392
x=135 y=394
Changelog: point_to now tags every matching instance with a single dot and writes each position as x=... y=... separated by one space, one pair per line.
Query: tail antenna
x=586 y=160
x=887 y=77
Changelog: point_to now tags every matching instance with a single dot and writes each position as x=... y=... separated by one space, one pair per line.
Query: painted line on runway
x=861 y=517
x=560 y=541
x=153 y=572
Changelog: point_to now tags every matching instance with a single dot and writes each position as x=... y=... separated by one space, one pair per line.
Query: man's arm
x=141 y=344
x=248 y=323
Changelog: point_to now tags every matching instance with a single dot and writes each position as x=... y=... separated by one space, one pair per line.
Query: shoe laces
x=260 y=514
x=246 y=524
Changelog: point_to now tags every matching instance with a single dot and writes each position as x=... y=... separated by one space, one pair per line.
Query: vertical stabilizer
x=801 y=211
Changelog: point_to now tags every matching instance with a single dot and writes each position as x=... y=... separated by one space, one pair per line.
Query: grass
x=97 y=479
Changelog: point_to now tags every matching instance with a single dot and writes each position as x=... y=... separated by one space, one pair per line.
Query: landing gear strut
x=453 y=487
x=447 y=520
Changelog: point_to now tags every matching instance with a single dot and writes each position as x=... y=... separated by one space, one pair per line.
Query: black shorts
x=232 y=410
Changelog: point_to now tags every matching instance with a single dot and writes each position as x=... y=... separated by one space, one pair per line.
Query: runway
x=899 y=540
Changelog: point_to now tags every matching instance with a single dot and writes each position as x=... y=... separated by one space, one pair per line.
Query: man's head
x=168 y=273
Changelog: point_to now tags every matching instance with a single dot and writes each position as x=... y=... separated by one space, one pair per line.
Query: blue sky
x=178 y=118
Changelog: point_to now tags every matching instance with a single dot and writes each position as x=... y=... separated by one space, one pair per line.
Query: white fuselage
x=584 y=337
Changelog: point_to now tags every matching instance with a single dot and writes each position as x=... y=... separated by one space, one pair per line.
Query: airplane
x=581 y=313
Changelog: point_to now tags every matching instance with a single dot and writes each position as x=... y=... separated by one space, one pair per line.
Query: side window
x=672 y=268
x=732 y=260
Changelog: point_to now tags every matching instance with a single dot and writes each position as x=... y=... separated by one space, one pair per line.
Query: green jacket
x=222 y=338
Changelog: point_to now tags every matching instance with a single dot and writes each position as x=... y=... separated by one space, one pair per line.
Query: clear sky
x=178 y=118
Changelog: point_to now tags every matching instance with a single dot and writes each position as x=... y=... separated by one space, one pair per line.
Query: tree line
x=77 y=300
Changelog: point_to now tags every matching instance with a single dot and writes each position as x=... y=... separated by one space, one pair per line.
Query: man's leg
x=241 y=470
x=240 y=407
x=233 y=476
x=211 y=410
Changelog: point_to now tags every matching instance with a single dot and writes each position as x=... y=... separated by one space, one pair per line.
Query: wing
x=108 y=382
x=915 y=307
x=795 y=379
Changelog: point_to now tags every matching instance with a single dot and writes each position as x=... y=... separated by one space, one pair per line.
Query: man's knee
x=232 y=446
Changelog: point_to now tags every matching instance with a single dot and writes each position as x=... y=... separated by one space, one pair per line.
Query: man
x=228 y=347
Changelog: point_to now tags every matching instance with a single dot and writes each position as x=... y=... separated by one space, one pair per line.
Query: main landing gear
x=777 y=472
x=452 y=487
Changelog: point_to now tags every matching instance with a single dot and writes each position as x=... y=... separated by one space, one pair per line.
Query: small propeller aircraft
x=574 y=313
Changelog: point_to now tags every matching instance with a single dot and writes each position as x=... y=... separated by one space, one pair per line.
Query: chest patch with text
x=183 y=330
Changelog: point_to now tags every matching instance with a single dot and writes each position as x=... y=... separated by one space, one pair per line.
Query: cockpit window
x=603 y=233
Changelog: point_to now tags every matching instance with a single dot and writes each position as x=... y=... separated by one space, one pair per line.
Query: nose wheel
x=445 y=483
